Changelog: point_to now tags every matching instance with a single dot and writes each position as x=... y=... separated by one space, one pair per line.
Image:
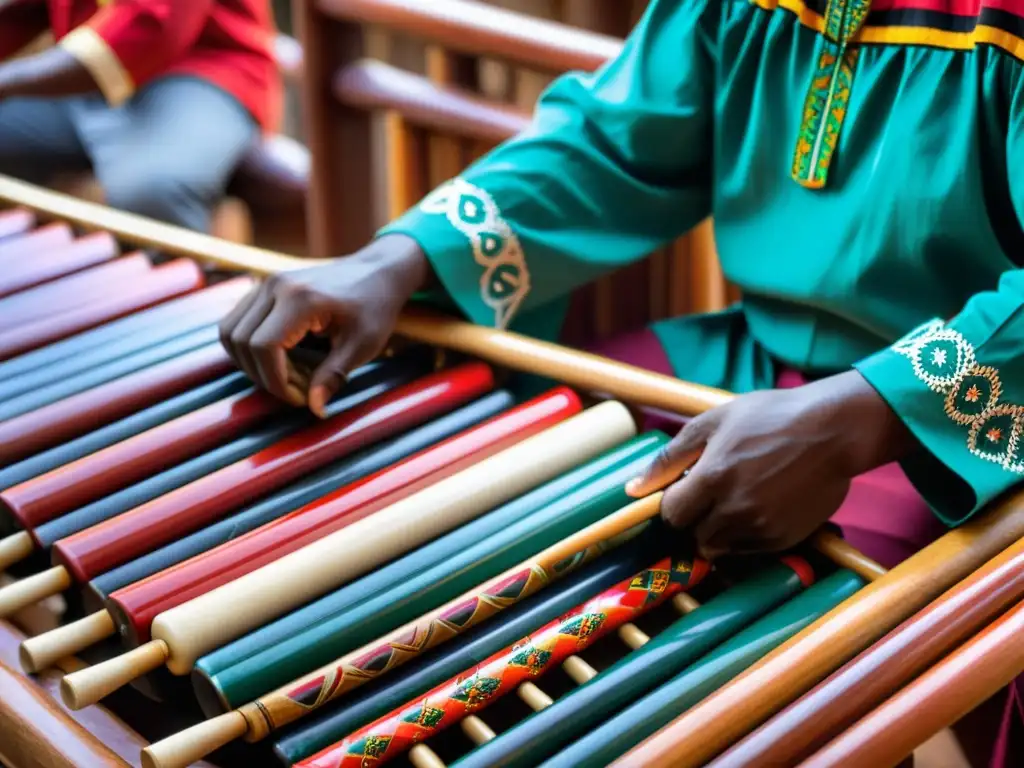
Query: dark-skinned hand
x=353 y=302
x=764 y=471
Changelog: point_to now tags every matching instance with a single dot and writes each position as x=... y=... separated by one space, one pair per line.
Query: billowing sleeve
x=958 y=383
x=129 y=42
x=21 y=22
x=615 y=164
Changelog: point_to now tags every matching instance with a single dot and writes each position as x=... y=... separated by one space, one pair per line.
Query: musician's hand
x=353 y=301
x=772 y=466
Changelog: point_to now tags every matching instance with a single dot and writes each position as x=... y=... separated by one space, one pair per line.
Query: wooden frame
x=363 y=133
x=29 y=722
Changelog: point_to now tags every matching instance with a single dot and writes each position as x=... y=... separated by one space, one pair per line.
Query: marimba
x=372 y=587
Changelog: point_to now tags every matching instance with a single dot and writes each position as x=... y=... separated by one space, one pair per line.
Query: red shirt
x=127 y=43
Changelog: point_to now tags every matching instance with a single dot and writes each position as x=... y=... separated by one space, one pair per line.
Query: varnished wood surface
x=37 y=731
x=374 y=85
x=471 y=27
x=885 y=667
x=736 y=709
x=937 y=699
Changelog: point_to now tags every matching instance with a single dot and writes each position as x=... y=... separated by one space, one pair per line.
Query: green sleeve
x=958 y=384
x=615 y=164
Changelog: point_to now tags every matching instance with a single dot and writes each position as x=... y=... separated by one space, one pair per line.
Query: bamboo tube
x=383 y=467
x=732 y=712
x=885 y=667
x=655 y=661
x=15 y=548
x=188 y=631
x=371 y=702
x=843 y=554
x=258 y=719
x=508 y=670
x=577 y=369
x=44 y=651
x=934 y=701
x=205 y=488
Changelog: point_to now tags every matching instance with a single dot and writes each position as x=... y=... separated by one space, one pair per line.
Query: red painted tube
x=73 y=416
x=180 y=512
x=63 y=255
x=72 y=291
x=49 y=496
x=141 y=602
x=162 y=283
x=16 y=221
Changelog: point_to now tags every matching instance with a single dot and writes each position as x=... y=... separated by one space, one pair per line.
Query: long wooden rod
x=578 y=369
x=736 y=709
x=936 y=700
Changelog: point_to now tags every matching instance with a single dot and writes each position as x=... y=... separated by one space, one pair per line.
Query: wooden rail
x=376 y=86
x=469 y=27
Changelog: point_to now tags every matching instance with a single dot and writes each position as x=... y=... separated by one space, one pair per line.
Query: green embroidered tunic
x=864 y=163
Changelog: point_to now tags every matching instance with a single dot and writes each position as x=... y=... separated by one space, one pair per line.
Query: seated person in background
x=865 y=170
x=160 y=99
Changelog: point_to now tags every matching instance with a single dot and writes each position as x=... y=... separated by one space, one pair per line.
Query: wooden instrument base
x=40 y=732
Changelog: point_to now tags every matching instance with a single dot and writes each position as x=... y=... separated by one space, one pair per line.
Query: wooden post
x=341 y=215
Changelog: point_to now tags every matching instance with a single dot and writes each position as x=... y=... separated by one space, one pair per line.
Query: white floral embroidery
x=945 y=361
x=505 y=281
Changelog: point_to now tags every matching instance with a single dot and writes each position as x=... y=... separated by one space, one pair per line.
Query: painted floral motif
x=505 y=281
x=945 y=361
x=828 y=97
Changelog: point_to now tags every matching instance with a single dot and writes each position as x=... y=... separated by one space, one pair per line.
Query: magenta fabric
x=883 y=515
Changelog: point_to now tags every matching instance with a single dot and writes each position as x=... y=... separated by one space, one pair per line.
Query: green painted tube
x=671 y=651
x=411 y=586
x=616 y=736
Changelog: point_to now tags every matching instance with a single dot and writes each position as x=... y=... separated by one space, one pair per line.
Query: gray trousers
x=168 y=153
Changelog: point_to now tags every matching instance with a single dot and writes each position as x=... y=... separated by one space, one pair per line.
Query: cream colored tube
x=211 y=620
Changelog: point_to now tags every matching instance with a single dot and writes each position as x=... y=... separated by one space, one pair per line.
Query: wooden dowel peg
x=684 y=603
x=93 y=684
x=477 y=730
x=44 y=651
x=33 y=589
x=204 y=738
x=534 y=697
x=633 y=636
x=15 y=548
x=845 y=555
x=579 y=670
x=422 y=756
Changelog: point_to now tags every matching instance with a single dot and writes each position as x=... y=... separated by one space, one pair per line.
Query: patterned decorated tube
x=482 y=685
x=398 y=593
x=612 y=738
x=257 y=719
x=365 y=705
x=137 y=605
x=581 y=711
